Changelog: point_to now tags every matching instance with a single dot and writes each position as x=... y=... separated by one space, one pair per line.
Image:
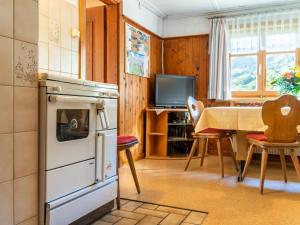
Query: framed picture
x=137 y=50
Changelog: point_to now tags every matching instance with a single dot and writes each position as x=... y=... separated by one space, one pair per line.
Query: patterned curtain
x=219 y=80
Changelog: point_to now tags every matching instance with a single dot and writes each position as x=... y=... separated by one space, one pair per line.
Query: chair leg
x=233 y=154
x=220 y=153
x=203 y=151
x=283 y=164
x=192 y=152
x=248 y=160
x=264 y=161
x=133 y=171
x=295 y=162
x=118 y=191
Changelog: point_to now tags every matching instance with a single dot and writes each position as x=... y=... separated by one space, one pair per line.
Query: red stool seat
x=125 y=140
x=257 y=136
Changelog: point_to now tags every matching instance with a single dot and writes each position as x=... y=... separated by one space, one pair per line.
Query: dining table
x=240 y=119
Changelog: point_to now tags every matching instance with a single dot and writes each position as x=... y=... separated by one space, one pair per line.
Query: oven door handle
x=73 y=99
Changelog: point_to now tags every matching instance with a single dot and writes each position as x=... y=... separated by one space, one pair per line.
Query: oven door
x=70 y=131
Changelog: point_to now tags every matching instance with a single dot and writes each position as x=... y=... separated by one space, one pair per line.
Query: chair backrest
x=282 y=117
x=195 y=109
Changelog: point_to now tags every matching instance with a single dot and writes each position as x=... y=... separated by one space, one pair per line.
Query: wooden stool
x=125 y=143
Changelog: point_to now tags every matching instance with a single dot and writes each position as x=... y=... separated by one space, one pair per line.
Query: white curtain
x=219 y=82
x=274 y=31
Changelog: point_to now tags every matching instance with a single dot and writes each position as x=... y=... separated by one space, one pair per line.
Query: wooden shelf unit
x=157 y=132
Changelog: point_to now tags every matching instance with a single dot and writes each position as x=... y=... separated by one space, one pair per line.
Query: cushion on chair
x=212 y=130
x=257 y=136
x=123 y=140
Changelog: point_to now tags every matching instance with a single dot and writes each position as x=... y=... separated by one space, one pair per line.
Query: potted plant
x=288 y=82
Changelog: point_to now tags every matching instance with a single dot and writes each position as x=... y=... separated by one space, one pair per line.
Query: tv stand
x=168 y=133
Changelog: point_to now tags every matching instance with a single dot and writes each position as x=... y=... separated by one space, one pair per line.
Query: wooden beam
x=110 y=2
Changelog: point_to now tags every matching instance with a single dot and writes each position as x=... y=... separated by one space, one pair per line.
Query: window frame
x=261 y=73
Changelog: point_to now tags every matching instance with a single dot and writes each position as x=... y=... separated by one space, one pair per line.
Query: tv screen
x=173 y=90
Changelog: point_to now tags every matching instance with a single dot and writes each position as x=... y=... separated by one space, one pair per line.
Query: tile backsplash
x=57 y=48
x=35 y=35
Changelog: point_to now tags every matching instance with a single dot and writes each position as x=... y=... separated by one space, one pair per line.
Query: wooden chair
x=195 y=109
x=125 y=143
x=282 y=117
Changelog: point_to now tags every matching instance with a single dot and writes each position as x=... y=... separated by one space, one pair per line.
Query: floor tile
x=123 y=201
x=99 y=222
x=110 y=218
x=129 y=215
x=195 y=218
x=173 y=210
x=149 y=206
x=151 y=212
x=126 y=221
x=150 y=220
x=131 y=206
x=173 y=219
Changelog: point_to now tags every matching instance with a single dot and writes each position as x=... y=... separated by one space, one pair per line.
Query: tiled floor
x=135 y=212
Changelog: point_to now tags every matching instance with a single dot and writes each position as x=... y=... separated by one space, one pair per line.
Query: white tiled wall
x=18 y=111
x=34 y=35
x=58 y=50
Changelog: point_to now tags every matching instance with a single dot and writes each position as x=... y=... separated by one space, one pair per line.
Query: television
x=173 y=90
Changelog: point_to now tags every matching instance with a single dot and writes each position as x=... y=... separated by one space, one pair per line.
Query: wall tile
x=6 y=112
x=6 y=18
x=25 y=64
x=66 y=61
x=26 y=20
x=31 y=221
x=75 y=17
x=75 y=44
x=54 y=32
x=6 y=206
x=25 y=109
x=43 y=55
x=54 y=58
x=6 y=157
x=43 y=28
x=75 y=63
x=54 y=9
x=44 y=7
x=6 y=60
x=66 y=38
x=25 y=153
x=25 y=198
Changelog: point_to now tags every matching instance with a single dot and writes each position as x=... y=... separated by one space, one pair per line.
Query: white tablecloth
x=241 y=119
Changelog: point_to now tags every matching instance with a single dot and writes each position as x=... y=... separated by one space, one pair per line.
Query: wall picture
x=137 y=49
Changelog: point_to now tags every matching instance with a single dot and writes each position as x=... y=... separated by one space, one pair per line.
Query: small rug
x=145 y=213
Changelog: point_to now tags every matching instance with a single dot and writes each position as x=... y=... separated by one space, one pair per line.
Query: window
x=262 y=46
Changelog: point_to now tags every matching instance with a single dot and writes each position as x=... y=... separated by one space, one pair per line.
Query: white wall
x=143 y=16
x=175 y=27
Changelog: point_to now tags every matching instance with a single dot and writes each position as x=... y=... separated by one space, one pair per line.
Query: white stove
x=78 y=148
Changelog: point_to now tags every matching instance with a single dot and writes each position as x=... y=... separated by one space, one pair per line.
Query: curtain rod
x=244 y=12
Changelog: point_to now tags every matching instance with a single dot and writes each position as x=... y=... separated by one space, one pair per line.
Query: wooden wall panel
x=95 y=50
x=135 y=91
x=188 y=56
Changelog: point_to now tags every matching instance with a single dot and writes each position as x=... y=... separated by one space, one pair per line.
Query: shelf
x=170 y=139
x=180 y=124
x=156 y=134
